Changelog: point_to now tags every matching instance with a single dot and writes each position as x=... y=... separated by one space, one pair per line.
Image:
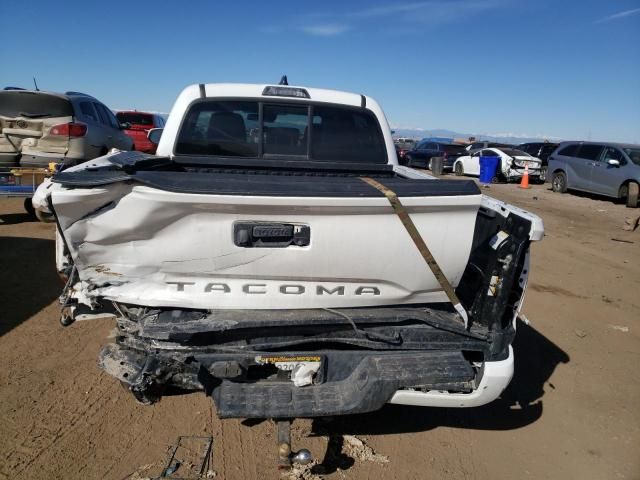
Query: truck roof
x=255 y=90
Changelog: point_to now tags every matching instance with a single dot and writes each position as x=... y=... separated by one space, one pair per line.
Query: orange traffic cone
x=524 y=183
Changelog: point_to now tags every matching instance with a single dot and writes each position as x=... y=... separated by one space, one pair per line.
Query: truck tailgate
x=153 y=240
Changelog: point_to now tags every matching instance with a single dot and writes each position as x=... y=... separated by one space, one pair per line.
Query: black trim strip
x=273 y=184
x=260 y=129
x=203 y=94
x=309 y=129
x=66 y=250
x=280 y=164
x=363 y=101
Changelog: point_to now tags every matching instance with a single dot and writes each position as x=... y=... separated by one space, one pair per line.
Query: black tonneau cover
x=161 y=173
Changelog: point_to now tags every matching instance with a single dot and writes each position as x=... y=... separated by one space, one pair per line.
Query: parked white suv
x=37 y=128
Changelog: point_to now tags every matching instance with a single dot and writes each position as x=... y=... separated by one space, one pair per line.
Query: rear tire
x=459 y=169
x=543 y=175
x=559 y=182
x=633 y=191
x=28 y=206
x=407 y=161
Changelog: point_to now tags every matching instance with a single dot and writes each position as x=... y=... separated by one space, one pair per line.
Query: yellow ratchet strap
x=411 y=229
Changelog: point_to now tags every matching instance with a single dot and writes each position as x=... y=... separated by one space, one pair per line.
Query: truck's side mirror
x=154 y=135
x=124 y=126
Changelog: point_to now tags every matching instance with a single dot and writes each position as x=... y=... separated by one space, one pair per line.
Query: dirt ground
x=572 y=410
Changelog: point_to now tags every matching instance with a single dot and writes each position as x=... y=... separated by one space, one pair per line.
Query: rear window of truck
x=33 y=105
x=294 y=131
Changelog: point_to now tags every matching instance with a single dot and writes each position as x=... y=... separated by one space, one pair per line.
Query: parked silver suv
x=42 y=127
x=611 y=169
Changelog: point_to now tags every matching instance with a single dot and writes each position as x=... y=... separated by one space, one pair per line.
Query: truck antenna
x=283 y=80
x=36 y=84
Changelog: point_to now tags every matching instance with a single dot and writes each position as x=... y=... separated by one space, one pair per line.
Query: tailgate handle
x=270 y=235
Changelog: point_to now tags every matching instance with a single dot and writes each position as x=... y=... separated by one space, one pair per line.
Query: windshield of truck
x=33 y=105
x=135 y=118
x=295 y=131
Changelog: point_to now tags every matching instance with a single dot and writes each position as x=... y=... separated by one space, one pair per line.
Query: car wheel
x=559 y=182
x=543 y=175
x=633 y=189
x=459 y=169
x=28 y=206
x=495 y=179
x=408 y=160
x=429 y=164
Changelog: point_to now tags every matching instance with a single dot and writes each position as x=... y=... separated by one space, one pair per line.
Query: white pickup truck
x=275 y=255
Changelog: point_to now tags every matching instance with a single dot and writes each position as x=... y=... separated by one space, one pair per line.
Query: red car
x=139 y=125
x=403 y=146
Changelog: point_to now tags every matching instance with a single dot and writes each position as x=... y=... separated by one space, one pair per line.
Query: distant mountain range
x=442 y=133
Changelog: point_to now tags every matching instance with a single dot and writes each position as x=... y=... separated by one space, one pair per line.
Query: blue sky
x=568 y=69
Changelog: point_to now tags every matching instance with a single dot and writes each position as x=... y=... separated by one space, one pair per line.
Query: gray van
x=611 y=169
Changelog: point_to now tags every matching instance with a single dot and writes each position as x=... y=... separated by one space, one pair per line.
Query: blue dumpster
x=488 y=167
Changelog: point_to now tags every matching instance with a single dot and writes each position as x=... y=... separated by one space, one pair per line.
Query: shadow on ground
x=29 y=281
x=596 y=197
x=536 y=357
x=14 y=218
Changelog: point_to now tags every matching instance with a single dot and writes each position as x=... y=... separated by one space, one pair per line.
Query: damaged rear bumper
x=307 y=364
x=494 y=379
x=350 y=381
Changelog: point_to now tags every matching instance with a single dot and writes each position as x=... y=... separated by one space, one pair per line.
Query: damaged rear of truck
x=268 y=255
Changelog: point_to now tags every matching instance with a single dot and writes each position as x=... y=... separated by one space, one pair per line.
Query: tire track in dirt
x=77 y=419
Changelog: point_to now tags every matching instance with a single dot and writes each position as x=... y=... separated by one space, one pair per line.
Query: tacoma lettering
x=250 y=288
x=217 y=287
x=320 y=290
x=180 y=285
x=286 y=289
x=367 y=290
x=291 y=289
